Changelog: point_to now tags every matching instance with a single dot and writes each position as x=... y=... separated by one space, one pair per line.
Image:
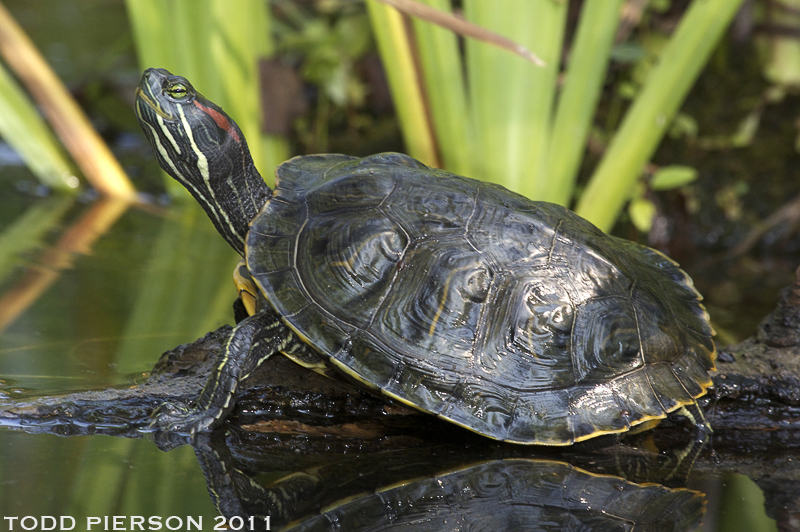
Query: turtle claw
x=180 y=419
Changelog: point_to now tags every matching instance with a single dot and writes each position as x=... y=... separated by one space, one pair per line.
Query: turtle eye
x=178 y=91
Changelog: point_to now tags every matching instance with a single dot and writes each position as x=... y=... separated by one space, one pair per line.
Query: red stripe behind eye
x=220 y=119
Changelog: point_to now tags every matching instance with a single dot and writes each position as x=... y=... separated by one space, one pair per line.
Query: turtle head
x=200 y=146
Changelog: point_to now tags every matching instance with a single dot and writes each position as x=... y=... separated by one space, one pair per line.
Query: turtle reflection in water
x=516 y=319
x=514 y=495
x=496 y=495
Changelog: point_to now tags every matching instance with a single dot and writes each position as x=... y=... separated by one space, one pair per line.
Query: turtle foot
x=180 y=419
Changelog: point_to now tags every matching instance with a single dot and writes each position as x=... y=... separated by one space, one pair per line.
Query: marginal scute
x=692 y=374
x=669 y=390
x=604 y=401
x=638 y=397
x=542 y=417
x=516 y=319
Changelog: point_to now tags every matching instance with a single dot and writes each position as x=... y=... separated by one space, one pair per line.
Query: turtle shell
x=516 y=319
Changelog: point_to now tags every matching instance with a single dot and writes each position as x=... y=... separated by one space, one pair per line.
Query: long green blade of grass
x=404 y=81
x=583 y=85
x=511 y=99
x=25 y=131
x=241 y=37
x=443 y=70
x=654 y=108
x=149 y=25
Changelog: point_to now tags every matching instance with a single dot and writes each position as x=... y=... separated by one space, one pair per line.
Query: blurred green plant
x=26 y=132
x=782 y=49
x=23 y=128
x=326 y=45
x=641 y=208
x=492 y=115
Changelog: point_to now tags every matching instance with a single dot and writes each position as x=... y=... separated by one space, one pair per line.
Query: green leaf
x=395 y=47
x=440 y=59
x=651 y=114
x=583 y=84
x=642 y=211
x=22 y=127
x=511 y=100
x=669 y=177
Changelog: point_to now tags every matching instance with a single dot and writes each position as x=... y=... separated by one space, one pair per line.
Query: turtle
x=513 y=318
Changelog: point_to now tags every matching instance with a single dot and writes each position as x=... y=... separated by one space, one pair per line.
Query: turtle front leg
x=253 y=341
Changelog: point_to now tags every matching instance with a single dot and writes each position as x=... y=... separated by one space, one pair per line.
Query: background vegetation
x=462 y=104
